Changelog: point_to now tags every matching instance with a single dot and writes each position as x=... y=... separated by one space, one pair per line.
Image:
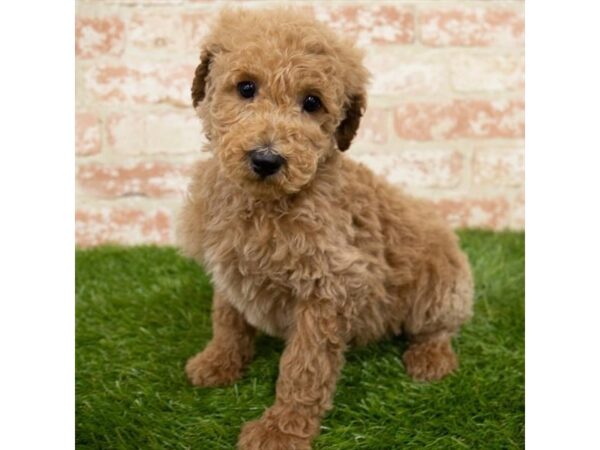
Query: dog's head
x=279 y=95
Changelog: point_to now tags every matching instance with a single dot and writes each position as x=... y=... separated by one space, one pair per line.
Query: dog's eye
x=247 y=89
x=311 y=103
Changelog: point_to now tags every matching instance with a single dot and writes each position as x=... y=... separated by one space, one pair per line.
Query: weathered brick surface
x=161 y=132
x=438 y=168
x=517 y=220
x=195 y=25
x=374 y=126
x=406 y=73
x=370 y=23
x=154 y=32
x=499 y=166
x=122 y=225
x=87 y=134
x=445 y=117
x=457 y=119
x=143 y=82
x=147 y=179
x=98 y=36
x=494 y=212
x=467 y=25
x=488 y=72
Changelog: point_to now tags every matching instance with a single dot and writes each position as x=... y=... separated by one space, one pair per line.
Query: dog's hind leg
x=223 y=360
x=441 y=306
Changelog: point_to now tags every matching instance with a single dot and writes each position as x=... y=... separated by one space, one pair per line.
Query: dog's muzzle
x=265 y=162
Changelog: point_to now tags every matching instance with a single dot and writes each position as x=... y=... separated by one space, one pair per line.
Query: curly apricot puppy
x=302 y=242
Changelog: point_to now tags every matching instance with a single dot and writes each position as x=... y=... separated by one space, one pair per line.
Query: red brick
x=147 y=179
x=370 y=24
x=126 y=133
x=460 y=119
x=487 y=72
x=144 y=2
x=403 y=73
x=491 y=213
x=472 y=26
x=97 y=36
x=154 y=32
x=164 y=132
x=517 y=221
x=141 y=83
x=499 y=167
x=195 y=26
x=374 y=126
x=122 y=225
x=416 y=168
x=87 y=134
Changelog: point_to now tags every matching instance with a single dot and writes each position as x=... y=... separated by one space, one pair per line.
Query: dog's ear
x=199 y=83
x=347 y=128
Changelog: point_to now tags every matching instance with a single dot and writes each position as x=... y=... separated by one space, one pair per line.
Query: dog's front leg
x=228 y=352
x=308 y=373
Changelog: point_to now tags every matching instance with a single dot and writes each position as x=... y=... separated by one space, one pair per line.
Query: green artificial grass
x=142 y=311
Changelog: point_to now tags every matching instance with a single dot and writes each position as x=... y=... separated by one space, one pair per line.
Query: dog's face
x=279 y=95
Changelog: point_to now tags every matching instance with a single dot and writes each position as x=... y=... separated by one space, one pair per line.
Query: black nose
x=265 y=162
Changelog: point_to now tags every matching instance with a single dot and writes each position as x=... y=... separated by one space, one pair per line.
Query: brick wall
x=445 y=117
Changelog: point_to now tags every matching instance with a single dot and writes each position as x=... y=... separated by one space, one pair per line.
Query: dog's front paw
x=212 y=367
x=264 y=435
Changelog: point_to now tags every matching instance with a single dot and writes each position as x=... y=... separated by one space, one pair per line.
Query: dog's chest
x=261 y=268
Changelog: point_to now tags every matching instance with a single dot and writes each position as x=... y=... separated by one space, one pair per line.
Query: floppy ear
x=199 y=83
x=348 y=127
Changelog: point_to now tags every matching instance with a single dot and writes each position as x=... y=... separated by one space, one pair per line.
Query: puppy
x=301 y=242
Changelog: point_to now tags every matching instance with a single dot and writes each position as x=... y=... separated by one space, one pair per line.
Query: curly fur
x=323 y=254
